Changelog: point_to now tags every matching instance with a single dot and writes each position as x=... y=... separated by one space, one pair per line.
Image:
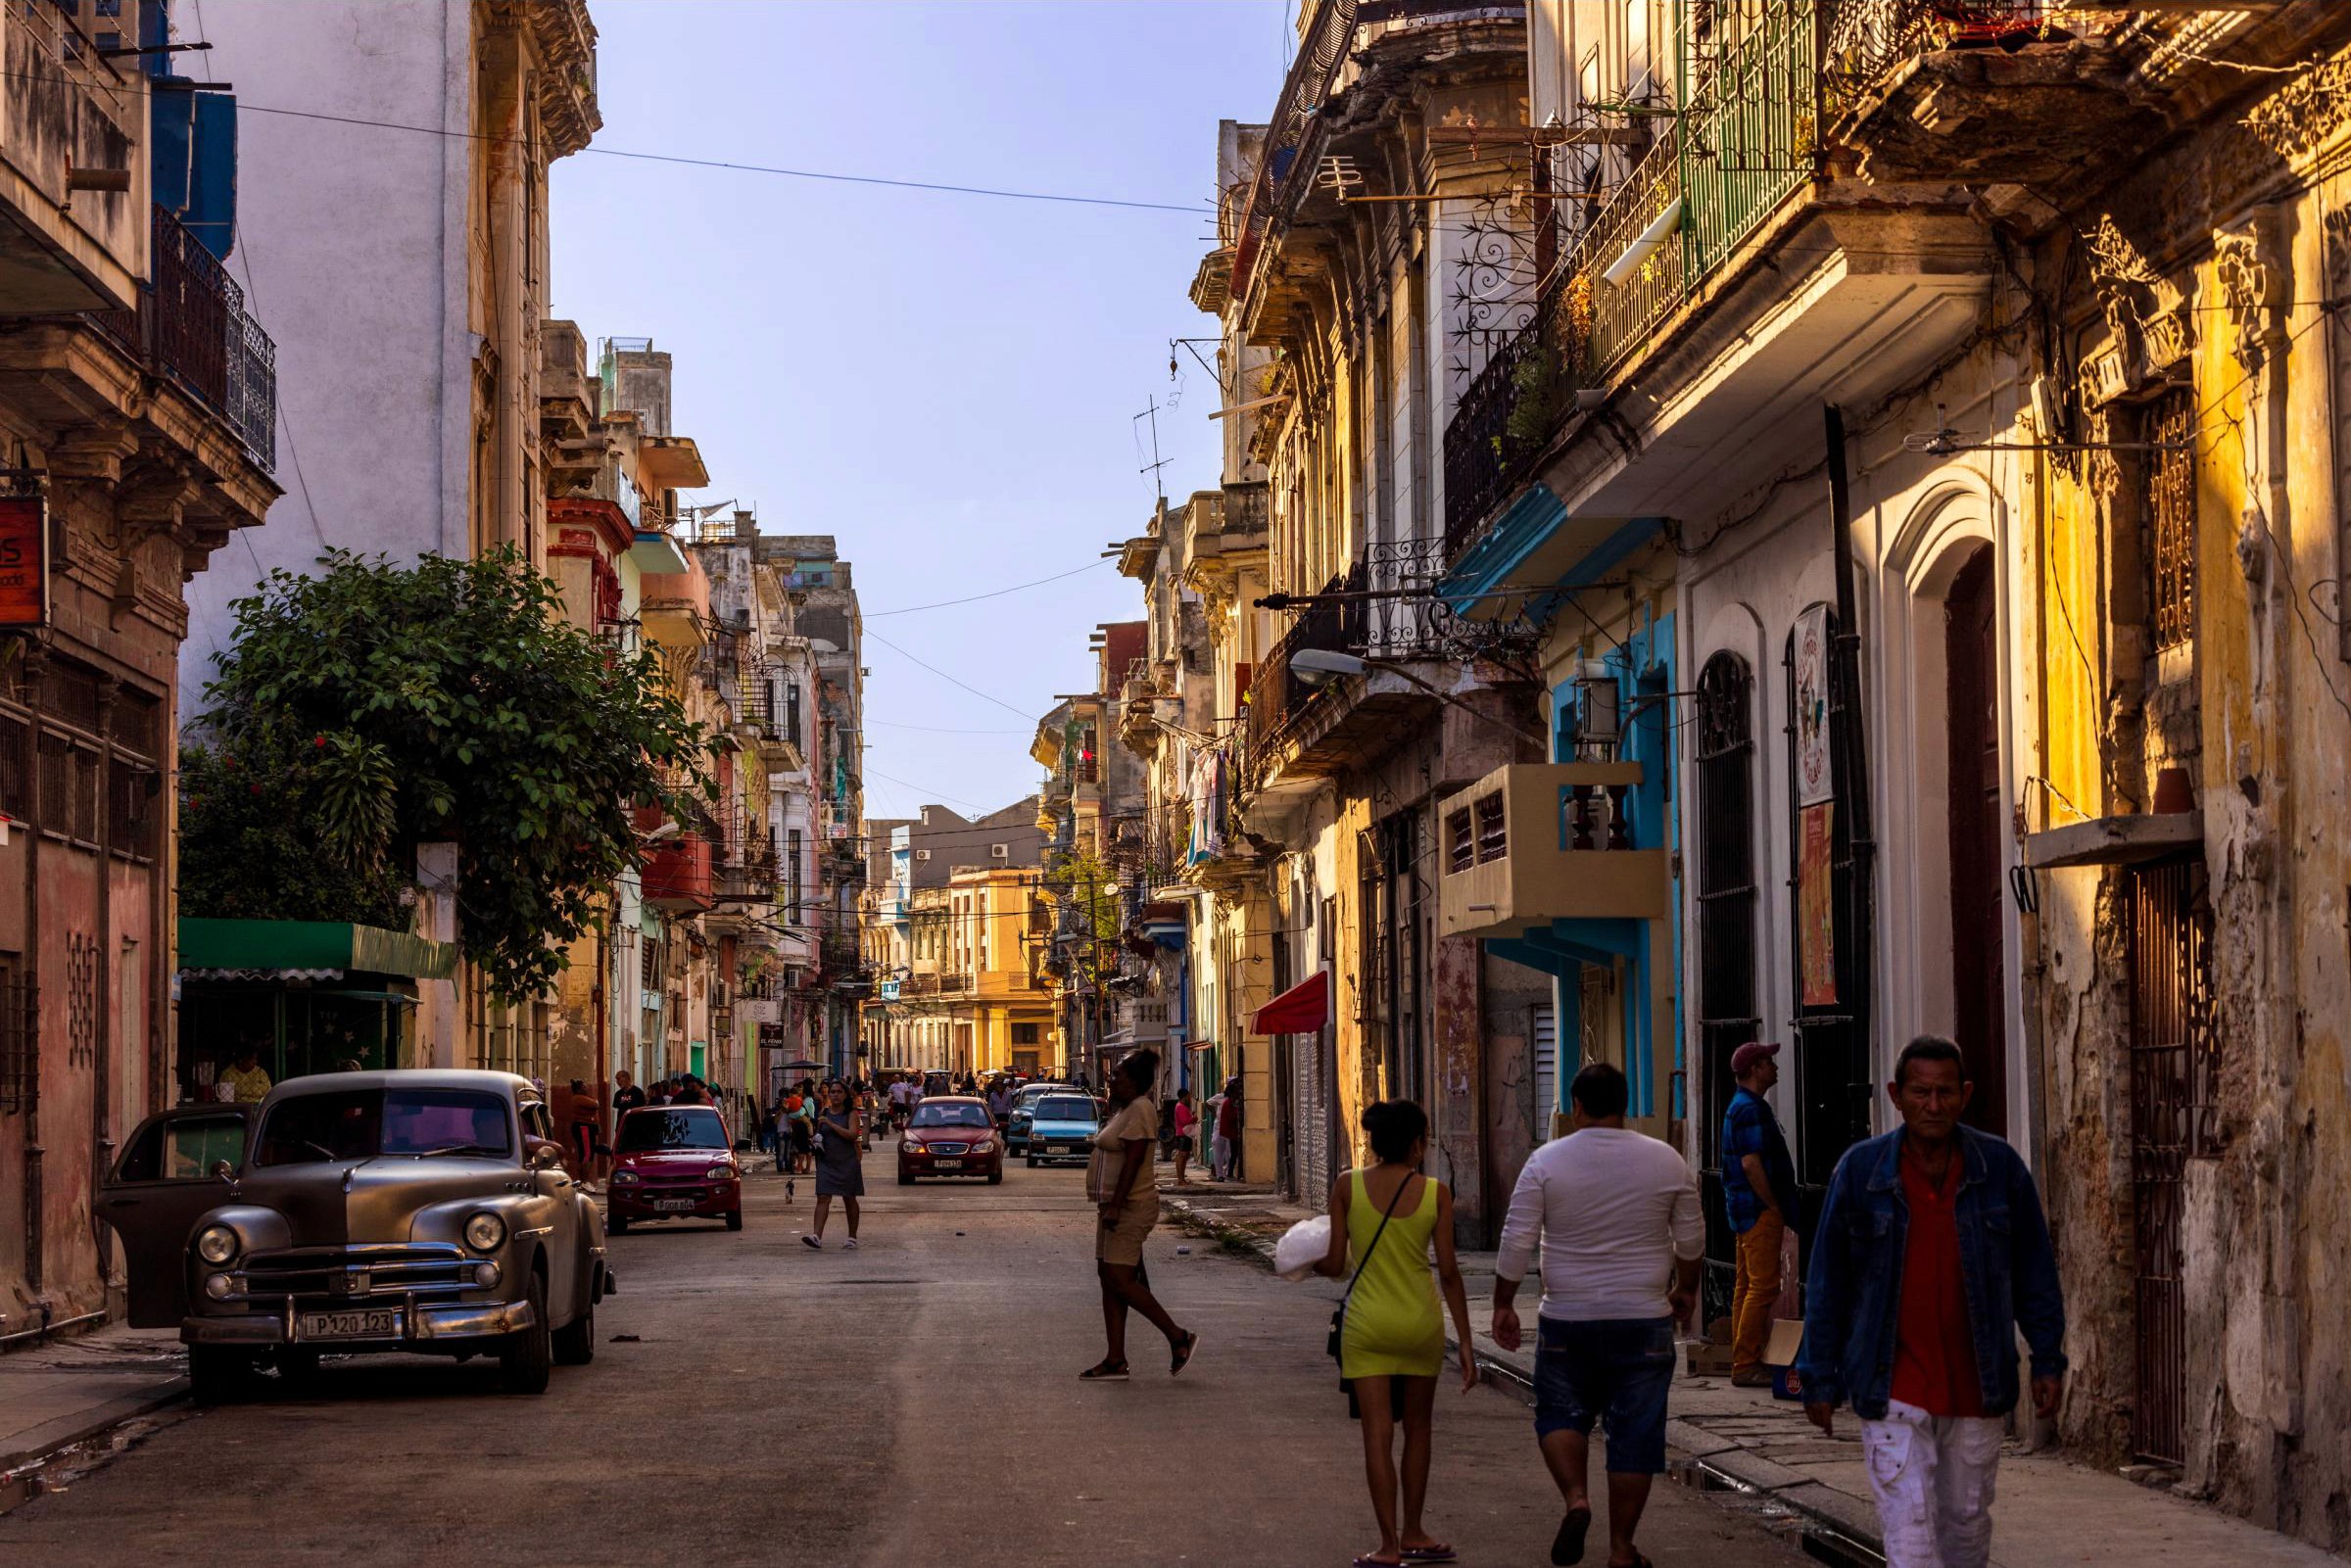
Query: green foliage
x=1090 y=889
x=372 y=707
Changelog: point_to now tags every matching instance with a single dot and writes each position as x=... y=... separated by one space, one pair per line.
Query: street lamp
x=1318 y=667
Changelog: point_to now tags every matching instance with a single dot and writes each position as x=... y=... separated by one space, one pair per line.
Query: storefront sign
x=1815 y=904
x=1815 y=777
x=24 y=561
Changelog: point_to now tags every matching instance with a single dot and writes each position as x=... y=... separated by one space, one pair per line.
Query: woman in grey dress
x=840 y=1169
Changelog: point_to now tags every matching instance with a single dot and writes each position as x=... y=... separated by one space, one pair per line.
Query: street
x=754 y=1402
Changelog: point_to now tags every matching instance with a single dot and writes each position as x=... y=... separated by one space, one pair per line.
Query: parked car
x=418 y=1211
x=1062 y=1129
x=1023 y=1105
x=951 y=1135
x=673 y=1162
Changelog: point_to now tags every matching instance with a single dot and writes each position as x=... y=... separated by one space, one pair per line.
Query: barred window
x=135 y=817
x=16 y=767
x=19 y=1042
x=2171 y=519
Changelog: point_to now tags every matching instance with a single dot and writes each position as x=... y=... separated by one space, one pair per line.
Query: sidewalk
x=1762 y=1456
x=77 y=1385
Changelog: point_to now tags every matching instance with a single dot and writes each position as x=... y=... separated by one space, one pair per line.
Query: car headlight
x=719 y=1174
x=217 y=1244
x=626 y=1178
x=986 y=1146
x=485 y=1232
x=218 y=1286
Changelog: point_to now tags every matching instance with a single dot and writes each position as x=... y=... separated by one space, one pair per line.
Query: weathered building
x=138 y=412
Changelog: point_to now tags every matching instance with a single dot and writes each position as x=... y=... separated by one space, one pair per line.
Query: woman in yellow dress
x=1383 y=1219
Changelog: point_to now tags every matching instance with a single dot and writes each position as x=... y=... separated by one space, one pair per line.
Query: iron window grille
x=2171 y=519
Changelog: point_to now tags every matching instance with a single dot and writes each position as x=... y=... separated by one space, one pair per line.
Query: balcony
x=1704 y=311
x=675 y=606
x=73 y=148
x=1537 y=842
x=678 y=875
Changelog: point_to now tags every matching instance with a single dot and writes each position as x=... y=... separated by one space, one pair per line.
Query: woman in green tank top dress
x=1392 y=1344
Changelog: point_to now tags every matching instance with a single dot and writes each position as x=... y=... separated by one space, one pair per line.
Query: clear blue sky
x=945 y=382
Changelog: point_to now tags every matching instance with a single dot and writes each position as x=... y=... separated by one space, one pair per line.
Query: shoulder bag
x=1338 y=1315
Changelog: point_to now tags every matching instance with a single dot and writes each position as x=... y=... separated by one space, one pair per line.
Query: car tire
x=1033 y=1162
x=574 y=1344
x=524 y=1359
x=905 y=1180
x=617 y=1225
x=217 y=1376
x=995 y=1178
x=735 y=1219
x=297 y=1367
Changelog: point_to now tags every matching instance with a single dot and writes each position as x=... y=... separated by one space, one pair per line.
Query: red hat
x=1753 y=1052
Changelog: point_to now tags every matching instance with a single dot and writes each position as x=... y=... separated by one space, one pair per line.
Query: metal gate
x=1726 y=937
x=1544 y=1031
x=1310 y=1105
x=2172 y=1121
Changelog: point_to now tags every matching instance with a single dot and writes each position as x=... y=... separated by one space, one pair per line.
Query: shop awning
x=1301 y=1010
x=315 y=949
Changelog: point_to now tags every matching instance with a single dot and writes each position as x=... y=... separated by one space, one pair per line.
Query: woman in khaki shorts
x=1119 y=1180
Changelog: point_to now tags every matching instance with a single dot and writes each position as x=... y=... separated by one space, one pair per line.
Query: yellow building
x=1000 y=1007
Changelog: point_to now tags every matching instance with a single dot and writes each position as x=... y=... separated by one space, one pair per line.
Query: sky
x=945 y=382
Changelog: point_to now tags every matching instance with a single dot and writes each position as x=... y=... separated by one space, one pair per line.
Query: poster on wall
x=1815 y=905
x=24 y=561
x=1815 y=782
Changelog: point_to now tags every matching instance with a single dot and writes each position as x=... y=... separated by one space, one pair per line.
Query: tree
x=372 y=707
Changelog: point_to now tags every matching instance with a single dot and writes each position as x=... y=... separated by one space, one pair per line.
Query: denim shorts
x=1615 y=1370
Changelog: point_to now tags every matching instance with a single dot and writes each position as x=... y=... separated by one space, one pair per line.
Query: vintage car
x=422 y=1210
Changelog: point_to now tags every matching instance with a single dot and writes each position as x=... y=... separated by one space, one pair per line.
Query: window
x=1028 y=1034
x=2169 y=510
x=19 y=1043
x=185 y=1148
x=791 y=874
x=1461 y=844
x=361 y=1124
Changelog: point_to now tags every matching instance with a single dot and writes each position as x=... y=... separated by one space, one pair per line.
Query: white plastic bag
x=1302 y=1247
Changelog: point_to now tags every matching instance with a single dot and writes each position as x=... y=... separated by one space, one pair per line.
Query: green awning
x=311 y=945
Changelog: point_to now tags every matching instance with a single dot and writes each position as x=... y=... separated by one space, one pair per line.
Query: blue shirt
x=1750 y=1129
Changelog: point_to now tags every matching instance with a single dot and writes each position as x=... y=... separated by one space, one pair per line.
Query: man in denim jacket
x=1930 y=1254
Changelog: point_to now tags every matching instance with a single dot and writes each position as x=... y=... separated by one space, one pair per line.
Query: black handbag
x=1338 y=1314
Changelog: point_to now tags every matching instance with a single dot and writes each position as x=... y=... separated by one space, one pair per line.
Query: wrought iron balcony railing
x=191 y=330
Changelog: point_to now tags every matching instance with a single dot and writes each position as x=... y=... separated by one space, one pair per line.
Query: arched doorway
x=1979 y=983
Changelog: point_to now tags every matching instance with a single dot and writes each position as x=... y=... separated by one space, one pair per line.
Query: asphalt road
x=911 y=1401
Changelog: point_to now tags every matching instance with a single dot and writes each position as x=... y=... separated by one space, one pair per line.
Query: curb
x=40 y=1441
x=1847 y=1520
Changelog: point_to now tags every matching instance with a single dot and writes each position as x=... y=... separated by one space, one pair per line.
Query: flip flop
x=1568 y=1546
x=812 y=1241
x=1374 y=1561
x=1104 y=1372
x=1439 y=1553
x=1180 y=1354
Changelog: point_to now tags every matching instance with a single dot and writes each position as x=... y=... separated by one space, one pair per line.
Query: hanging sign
x=1815 y=780
x=24 y=561
x=1815 y=905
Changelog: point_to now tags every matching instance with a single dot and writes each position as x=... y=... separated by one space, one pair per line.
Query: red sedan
x=951 y=1136
x=673 y=1162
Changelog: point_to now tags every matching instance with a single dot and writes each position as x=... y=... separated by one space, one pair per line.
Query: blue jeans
x=1612 y=1369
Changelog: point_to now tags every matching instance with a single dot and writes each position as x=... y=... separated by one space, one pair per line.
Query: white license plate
x=372 y=1323
x=674 y=1206
x=1057 y=1148
x=947 y=1164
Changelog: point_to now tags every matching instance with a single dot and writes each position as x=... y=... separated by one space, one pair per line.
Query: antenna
x=1157 y=462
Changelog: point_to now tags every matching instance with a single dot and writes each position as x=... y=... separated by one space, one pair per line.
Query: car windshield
x=359 y=1123
x=671 y=1128
x=1068 y=1108
x=929 y=1114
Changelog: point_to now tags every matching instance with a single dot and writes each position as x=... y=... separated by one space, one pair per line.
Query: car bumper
x=434 y=1324
x=950 y=1164
x=706 y=1204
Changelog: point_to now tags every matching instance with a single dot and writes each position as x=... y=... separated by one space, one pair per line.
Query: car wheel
x=905 y=1180
x=216 y=1375
x=297 y=1369
x=574 y=1344
x=617 y=1225
x=995 y=1178
x=735 y=1219
x=524 y=1359
x=1033 y=1162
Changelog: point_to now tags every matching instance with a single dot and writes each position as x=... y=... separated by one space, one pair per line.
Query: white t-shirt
x=1610 y=1210
x=900 y=1092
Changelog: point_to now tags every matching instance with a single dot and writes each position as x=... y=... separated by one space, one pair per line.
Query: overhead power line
x=975 y=598
x=951 y=680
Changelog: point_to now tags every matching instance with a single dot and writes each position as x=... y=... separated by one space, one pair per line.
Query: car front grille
x=944 y=1148
x=344 y=1275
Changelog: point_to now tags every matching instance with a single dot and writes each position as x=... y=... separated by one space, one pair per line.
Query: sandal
x=1568 y=1546
x=1372 y=1559
x=1179 y=1352
x=1434 y=1551
x=1104 y=1372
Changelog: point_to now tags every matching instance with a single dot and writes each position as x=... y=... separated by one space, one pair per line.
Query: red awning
x=1301 y=1010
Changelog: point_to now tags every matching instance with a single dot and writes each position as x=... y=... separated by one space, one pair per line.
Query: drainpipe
x=35 y=1244
x=1852 y=736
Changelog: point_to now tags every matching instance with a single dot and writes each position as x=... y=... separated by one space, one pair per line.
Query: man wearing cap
x=1759 y=1182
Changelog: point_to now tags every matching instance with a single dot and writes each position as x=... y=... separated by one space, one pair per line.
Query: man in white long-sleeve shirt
x=1616 y=1216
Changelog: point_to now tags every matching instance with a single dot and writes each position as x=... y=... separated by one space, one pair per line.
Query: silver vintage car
x=422 y=1210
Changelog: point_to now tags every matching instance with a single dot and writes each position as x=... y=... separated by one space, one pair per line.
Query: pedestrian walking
x=1187 y=1123
x=840 y=1168
x=1392 y=1337
x=1932 y=1255
x=1616 y=1216
x=1118 y=1178
x=1759 y=1182
x=1224 y=1145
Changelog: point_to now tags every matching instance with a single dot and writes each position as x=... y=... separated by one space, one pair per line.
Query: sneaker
x=1751 y=1377
x=813 y=1243
x=850 y=1244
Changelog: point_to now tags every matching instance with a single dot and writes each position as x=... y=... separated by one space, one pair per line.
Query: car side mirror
x=545 y=1156
x=222 y=1170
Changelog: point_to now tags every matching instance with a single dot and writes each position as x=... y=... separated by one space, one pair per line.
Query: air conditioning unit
x=999 y=851
x=921 y=854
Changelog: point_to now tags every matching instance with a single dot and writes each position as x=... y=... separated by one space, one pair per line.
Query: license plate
x=673 y=1205
x=1057 y=1148
x=373 y=1323
x=947 y=1164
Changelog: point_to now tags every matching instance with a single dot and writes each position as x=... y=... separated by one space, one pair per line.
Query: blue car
x=1062 y=1129
x=1023 y=1107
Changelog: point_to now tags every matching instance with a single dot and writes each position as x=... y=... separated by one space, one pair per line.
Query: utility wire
x=945 y=676
x=875 y=615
